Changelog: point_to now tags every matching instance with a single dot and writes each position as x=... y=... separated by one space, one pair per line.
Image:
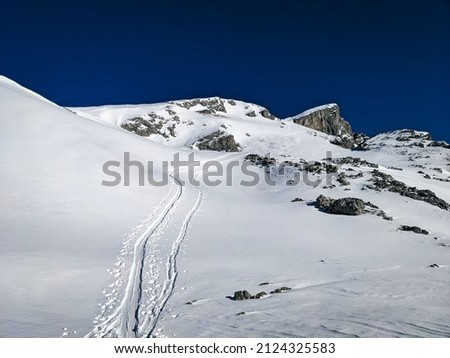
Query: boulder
x=242 y=295
x=343 y=206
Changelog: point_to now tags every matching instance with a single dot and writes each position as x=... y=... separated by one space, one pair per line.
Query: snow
x=162 y=261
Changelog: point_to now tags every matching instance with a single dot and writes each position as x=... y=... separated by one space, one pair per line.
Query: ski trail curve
x=119 y=322
x=130 y=304
x=172 y=269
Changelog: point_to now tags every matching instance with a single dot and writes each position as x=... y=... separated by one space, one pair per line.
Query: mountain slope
x=176 y=273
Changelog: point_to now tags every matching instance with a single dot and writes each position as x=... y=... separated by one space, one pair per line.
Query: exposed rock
x=258 y=295
x=232 y=102
x=218 y=141
x=141 y=126
x=251 y=114
x=240 y=313
x=341 y=179
x=171 y=130
x=212 y=105
x=343 y=206
x=356 y=162
x=434 y=266
x=360 y=140
x=415 y=229
x=264 y=283
x=441 y=144
x=260 y=161
x=281 y=289
x=386 y=181
x=323 y=202
x=266 y=114
x=295 y=200
x=347 y=206
x=327 y=119
x=242 y=295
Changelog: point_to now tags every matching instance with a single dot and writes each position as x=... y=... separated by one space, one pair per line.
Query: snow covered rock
x=327 y=119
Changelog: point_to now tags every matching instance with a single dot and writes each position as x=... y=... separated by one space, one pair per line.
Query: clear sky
x=385 y=62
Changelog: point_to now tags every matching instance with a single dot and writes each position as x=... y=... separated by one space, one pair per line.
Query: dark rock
x=251 y=114
x=281 y=289
x=171 y=130
x=266 y=114
x=264 y=284
x=240 y=313
x=343 y=206
x=212 y=105
x=341 y=179
x=296 y=200
x=415 y=229
x=370 y=205
x=356 y=162
x=385 y=181
x=347 y=206
x=360 y=140
x=426 y=176
x=441 y=144
x=258 y=295
x=260 y=160
x=218 y=141
x=242 y=295
x=434 y=266
x=327 y=119
x=232 y=102
x=141 y=126
x=323 y=202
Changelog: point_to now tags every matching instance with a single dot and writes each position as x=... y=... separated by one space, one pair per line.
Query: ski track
x=133 y=318
x=122 y=322
x=172 y=270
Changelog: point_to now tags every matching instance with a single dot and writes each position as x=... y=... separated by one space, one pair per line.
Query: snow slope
x=60 y=228
x=176 y=272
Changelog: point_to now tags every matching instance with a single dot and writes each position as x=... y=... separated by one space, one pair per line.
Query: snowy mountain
x=342 y=236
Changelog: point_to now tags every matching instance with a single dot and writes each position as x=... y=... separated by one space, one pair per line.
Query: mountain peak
x=327 y=119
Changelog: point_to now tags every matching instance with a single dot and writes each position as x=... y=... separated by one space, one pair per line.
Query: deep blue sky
x=385 y=62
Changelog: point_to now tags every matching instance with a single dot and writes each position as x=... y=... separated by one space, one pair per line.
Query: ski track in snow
x=172 y=271
x=133 y=318
x=123 y=321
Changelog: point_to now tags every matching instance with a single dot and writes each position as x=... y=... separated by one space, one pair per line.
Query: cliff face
x=327 y=119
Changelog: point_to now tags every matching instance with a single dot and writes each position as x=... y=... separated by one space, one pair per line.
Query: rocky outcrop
x=212 y=105
x=241 y=295
x=414 y=229
x=141 y=126
x=245 y=295
x=343 y=206
x=266 y=114
x=218 y=141
x=385 y=181
x=327 y=119
x=260 y=161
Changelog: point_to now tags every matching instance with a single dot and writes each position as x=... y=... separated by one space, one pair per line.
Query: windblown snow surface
x=82 y=259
